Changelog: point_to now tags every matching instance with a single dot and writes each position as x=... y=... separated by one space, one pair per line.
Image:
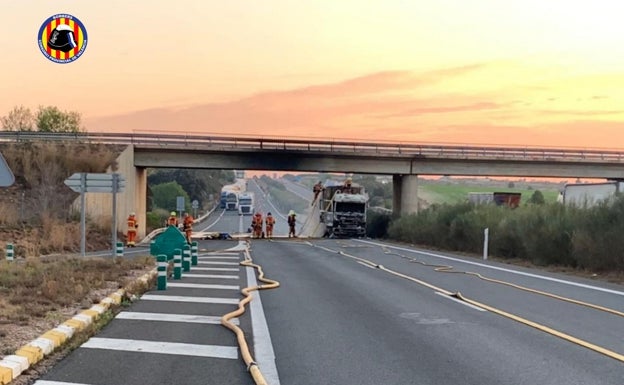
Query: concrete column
x=397 y=181
x=140 y=199
x=409 y=194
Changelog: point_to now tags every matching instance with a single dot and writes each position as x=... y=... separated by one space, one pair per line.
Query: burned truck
x=343 y=211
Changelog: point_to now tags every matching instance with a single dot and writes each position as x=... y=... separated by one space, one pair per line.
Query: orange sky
x=529 y=72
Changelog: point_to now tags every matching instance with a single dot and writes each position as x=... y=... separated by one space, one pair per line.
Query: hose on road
x=252 y=366
x=459 y=296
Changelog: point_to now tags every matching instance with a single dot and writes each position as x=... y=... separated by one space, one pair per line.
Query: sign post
x=82 y=183
x=195 y=206
x=180 y=204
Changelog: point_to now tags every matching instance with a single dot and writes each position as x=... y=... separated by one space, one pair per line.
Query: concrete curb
x=30 y=354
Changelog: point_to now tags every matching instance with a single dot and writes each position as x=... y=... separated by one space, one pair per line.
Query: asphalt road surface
x=359 y=312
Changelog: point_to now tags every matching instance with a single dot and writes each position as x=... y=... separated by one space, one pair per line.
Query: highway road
x=361 y=312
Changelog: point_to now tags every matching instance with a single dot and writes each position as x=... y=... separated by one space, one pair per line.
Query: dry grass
x=38 y=294
x=37 y=287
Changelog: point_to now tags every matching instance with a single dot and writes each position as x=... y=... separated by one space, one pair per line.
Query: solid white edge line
x=263 y=347
x=44 y=382
x=499 y=268
x=365 y=264
x=460 y=302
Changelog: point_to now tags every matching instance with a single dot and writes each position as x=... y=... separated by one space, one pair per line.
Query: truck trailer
x=590 y=194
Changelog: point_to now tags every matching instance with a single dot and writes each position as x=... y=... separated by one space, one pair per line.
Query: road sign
x=180 y=203
x=96 y=183
x=82 y=183
x=6 y=175
x=195 y=204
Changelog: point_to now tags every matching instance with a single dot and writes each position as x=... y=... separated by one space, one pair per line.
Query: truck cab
x=344 y=214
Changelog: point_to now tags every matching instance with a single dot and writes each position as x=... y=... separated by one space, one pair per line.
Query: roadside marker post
x=119 y=250
x=177 y=264
x=186 y=258
x=162 y=271
x=194 y=249
x=10 y=252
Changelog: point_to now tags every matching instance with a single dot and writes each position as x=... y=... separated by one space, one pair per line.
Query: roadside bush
x=545 y=234
x=377 y=224
x=597 y=242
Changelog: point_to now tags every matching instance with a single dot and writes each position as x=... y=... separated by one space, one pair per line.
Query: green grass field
x=454 y=193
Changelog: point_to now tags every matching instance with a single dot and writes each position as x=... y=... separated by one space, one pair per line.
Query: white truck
x=590 y=194
x=246 y=203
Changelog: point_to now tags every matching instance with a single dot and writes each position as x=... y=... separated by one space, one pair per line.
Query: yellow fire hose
x=252 y=366
x=546 y=329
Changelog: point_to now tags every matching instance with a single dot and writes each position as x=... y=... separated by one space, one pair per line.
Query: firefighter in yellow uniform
x=256 y=224
x=270 y=221
x=173 y=219
x=187 y=226
x=133 y=225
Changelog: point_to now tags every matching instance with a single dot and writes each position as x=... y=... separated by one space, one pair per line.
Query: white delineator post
x=486 y=236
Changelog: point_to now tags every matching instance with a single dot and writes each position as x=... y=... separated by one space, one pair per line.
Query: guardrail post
x=194 y=250
x=177 y=264
x=186 y=258
x=119 y=249
x=162 y=271
x=10 y=252
x=486 y=236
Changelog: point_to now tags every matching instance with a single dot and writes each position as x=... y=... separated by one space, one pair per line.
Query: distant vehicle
x=344 y=215
x=230 y=192
x=223 y=199
x=246 y=203
x=590 y=194
x=509 y=199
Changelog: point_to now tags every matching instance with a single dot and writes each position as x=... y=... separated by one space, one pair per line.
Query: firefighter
x=256 y=224
x=173 y=219
x=270 y=221
x=317 y=190
x=346 y=187
x=187 y=226
x=133 y=225
x=292 y=221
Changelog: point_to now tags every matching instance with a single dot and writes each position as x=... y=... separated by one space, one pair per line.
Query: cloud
x=447 y=105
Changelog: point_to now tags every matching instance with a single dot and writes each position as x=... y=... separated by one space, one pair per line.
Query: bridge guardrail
x=381 y=148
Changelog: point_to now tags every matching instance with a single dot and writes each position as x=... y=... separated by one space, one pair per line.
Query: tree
x=537 y=198
x=52 y=119
x=165 y=195
x=19 y=119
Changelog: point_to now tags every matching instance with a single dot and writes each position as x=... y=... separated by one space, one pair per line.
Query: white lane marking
x=365 y=264
x=209 y=258
x=218 y=254
x=215 y=351
x=203 y=286
x=217 y=263
x=499 y=268
x=263 y=347
x=215 y=268
x=189 y=318
x=460 y=302
x=181 y=298
x=210 y=276
x=44 y=382
x=213 y=223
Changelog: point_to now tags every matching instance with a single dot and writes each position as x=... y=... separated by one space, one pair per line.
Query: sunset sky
x=521 y=72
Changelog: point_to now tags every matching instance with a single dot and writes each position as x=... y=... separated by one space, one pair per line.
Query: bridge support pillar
x=404 y=195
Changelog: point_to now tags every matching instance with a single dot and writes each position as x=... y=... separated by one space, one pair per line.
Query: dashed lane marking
x=214 y=268
x=181 y=298
x=202 y=286
x=189 y=318
x=204 y=258
x=176 y=348
x=210 y=276
x=217 y=263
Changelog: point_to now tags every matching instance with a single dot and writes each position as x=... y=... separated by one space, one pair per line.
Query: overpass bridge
x=403 y=160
